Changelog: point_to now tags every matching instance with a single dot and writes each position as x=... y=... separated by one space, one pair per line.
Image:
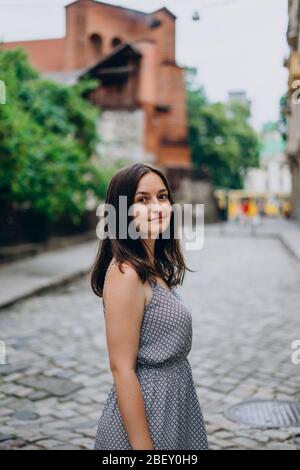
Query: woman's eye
x=144 y=199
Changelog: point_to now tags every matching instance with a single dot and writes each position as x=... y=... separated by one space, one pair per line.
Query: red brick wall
x=47 y=55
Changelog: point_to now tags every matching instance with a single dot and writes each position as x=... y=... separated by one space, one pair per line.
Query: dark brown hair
x=169 y=262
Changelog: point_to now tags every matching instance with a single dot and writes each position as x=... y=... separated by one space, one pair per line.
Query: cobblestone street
x=245 y=299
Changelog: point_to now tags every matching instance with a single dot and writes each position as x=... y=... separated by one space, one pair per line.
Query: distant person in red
x=245 y=207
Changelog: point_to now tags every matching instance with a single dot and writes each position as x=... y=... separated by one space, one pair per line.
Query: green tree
x=222 y=141
x=282 y=122
x=47 y=139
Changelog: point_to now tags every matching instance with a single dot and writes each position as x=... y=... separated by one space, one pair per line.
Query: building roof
x=70 y=77
x=138 y=12
x=122 y=49
x=108 y=5
x=166 y=10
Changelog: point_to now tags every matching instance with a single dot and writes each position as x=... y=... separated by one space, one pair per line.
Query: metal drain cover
x=265 y=413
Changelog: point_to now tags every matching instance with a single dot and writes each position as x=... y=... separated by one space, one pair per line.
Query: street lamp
x=196 y=16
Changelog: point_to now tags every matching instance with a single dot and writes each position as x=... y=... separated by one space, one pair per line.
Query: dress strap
x=152 y=283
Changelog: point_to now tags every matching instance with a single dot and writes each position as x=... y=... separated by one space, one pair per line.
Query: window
x=95 y=46
x=115 y=42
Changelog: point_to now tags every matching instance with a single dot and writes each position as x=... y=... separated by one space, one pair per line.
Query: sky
x=236 y=45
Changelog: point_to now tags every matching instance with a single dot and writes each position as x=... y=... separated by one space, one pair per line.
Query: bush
x=47 y=138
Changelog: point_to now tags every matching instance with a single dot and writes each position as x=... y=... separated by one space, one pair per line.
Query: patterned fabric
x=172 y=407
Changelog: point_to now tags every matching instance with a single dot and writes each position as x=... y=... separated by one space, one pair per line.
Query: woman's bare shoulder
x=122 y=277
x=124 y=294
x=124 y=270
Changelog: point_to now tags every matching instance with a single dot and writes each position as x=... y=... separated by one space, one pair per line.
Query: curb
x=289 y=247
x=59 y=281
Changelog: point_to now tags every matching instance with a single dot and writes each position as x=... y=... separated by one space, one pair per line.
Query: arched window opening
x=115 y=42
x=95 y=46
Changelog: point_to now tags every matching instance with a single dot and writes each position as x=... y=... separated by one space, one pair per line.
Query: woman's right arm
x=124 y=307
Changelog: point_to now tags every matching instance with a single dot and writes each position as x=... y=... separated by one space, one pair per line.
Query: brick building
x=142 y=94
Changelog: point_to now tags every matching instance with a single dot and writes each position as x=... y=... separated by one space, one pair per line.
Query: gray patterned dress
x=172 y=407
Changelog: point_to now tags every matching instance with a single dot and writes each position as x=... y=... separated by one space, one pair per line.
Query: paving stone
x=5 y=437
x=38 y=395
x=26 y=415
x=67 y=447
x=55 y=386
x=245 y=442
x=64 y=414
x=8 y=369
x=281 y=446
x=223 y=434
x=84 y=442
x=49 y=443
x=30 y=447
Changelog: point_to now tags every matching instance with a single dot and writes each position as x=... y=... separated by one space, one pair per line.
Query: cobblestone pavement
x=245 y=298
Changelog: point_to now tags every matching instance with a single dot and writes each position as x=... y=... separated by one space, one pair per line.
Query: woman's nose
x=155 y=206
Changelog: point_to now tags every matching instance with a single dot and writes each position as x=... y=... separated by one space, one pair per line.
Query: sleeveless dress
x=172 y=407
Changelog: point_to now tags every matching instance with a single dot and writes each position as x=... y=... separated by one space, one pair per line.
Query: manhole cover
x=266 y=413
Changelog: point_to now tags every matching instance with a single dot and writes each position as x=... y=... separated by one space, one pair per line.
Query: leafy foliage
x=282 y=123
x=223 y=142
x=47 y=138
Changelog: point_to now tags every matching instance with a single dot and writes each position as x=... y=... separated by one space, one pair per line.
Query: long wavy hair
x=168 y=260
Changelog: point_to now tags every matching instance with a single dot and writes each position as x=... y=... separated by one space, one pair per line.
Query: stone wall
x=122 y=136
x=199 y=192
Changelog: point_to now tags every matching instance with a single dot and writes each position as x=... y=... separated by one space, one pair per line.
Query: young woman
x=153 y=402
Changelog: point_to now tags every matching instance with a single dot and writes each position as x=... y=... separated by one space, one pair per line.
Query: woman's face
x=151 y=208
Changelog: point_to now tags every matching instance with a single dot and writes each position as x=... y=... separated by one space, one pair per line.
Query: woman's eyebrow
x=144 y=192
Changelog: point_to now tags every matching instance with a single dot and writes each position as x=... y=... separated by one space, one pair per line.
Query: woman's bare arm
x=124 y=305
